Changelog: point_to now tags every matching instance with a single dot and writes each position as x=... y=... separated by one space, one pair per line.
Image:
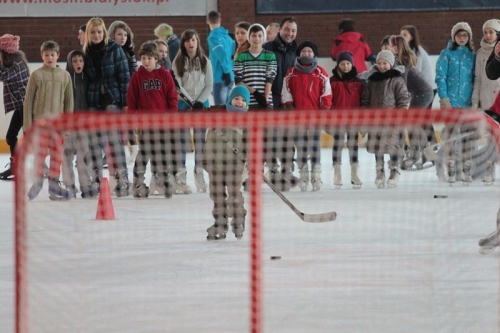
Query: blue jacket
x=221 y=48
x=114 y=79
x=455 y=75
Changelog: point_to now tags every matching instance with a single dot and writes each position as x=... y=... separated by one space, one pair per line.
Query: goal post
x=65 y=260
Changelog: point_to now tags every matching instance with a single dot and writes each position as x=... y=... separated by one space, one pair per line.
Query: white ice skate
x=451 y=172
x=337 y=176
x=316 y=178
x=355 y=181
x=393 y=178
x=467 y=178
x=304 y=178
x=380 y=179
x=489 y=176
x=199 y=181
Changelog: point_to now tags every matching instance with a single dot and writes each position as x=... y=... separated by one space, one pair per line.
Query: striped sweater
x=255 y=72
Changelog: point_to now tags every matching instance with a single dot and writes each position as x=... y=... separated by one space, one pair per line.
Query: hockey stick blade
x=310 y=218
x=431 y=155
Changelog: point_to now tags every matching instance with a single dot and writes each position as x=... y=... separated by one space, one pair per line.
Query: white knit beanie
x=261 y=27
x=387 y=56
x=461 y=26
x=492 y=24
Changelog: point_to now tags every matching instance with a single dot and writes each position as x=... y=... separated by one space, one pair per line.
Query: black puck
x=440 y=196
x=275 y=257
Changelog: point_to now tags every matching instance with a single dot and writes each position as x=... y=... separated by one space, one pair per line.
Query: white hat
x=261 y=27
x=461 y=26
x=493 y=24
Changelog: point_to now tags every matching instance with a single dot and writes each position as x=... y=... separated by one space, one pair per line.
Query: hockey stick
x=431 y=155
x=310 y=218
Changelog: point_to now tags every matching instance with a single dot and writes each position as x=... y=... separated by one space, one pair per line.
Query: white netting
x=408 y=253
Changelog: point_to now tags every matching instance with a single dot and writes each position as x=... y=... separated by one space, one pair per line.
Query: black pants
x=16 y=123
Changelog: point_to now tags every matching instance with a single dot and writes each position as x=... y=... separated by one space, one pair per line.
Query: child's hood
x=375 y=74
x=69 y=63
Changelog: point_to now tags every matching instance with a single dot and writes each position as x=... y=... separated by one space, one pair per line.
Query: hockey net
x=408 y=252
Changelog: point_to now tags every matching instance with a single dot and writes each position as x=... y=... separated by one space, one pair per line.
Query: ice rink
x=395 y=260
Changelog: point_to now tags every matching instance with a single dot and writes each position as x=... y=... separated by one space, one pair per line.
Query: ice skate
x=316 y=178
x=490 y=243
x=467 y=178
x=122 y=183
x=35 y=189
x=337 y=176
x=238 y=226
x=355 y=181
x=380 y=178
x=451 y=172
x=180 y=182
x=56 y=191
x=288 y=180
x=392 y=181
x=413 y=159
x=199 y=181
x=164 y=185
x=88 y=192
x=9 y=173
x=154 y=185
x=73 y=191
x=218 y=231
x=304 y=178
x=96 y=179
x=139 y=189
x=489 y=176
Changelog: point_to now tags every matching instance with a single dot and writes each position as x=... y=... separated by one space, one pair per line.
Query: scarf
x=306 y=64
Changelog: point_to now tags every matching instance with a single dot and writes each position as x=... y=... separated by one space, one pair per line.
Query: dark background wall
x=434 y=27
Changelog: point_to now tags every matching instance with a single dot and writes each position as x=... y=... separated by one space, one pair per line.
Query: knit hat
x=240 y=90
x=345 y=55
x=310 y=44
x=461 y=26
x=261 y=27
x=492 y=24
x=9 y=43
x=387 y=56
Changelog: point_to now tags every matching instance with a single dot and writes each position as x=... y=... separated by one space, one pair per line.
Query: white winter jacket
x=485 y=90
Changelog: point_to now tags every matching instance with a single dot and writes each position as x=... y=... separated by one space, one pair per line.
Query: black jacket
x=285 y=57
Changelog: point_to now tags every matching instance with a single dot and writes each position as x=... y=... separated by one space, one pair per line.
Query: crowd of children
x=250 y=72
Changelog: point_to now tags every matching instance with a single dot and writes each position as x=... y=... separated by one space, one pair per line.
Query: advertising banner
x=63 y=8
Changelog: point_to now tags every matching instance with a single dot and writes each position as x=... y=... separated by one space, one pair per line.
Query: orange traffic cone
x=105 y=209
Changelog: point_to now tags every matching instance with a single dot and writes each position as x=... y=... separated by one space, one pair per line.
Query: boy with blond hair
x=48 y=94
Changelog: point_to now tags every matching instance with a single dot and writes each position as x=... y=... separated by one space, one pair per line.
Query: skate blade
x=488 y=249
x=466 y=184
x=356 y=187
x=338 y=187
x=58 y=198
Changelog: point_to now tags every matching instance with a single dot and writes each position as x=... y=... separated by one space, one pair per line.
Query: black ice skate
x=73 y=191
x=488 y=244
x=56 y=191
x=8 y=173
x=89 y=191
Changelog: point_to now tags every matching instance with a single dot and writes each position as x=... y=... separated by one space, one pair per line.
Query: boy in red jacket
x=306 y=87
x=152 y=90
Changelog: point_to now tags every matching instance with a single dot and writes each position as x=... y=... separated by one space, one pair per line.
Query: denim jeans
x=221 y=93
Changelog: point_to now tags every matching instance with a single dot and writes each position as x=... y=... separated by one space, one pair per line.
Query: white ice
x=395 y=260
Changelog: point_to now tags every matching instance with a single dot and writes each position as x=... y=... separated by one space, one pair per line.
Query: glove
x=198 y=105
x=260 y=99
x=445 y=103
x=227 y=79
